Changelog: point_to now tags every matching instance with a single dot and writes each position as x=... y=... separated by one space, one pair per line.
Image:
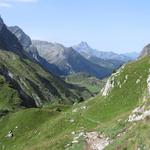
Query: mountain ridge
x=68 y=60
x=56 y=58
x=106 y=59
x=85 y=49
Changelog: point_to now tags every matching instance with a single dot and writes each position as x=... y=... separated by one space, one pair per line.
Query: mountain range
x=84 y=49
x=64 y=61
x=68 y=60
x=26 y=83
x=57 y=58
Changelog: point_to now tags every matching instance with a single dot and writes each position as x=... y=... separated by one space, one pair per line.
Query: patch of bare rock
x=96 y=141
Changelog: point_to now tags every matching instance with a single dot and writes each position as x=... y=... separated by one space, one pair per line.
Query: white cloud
x=6 y=5
x=9 y=3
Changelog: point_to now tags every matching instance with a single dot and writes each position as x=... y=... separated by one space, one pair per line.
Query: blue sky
x=108 y=25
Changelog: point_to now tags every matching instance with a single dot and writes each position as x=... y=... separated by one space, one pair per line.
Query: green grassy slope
x=47 y=128
x=26 y=83
x=9 y=97
x=91 y=83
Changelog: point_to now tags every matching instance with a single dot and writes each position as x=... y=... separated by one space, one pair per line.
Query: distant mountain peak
x=83 y=47
x=84 y=44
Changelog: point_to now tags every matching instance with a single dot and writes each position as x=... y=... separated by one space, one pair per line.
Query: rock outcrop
x=23 y=38
x=145 y=51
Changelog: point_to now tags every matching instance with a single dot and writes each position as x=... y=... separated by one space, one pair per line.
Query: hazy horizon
x=118 y=26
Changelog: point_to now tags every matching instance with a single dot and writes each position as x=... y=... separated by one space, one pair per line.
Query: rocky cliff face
x=145 y=51
x=23 y=38
x=68 y=60
x=25 y=41
x=52 y=52
x=8 y=41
